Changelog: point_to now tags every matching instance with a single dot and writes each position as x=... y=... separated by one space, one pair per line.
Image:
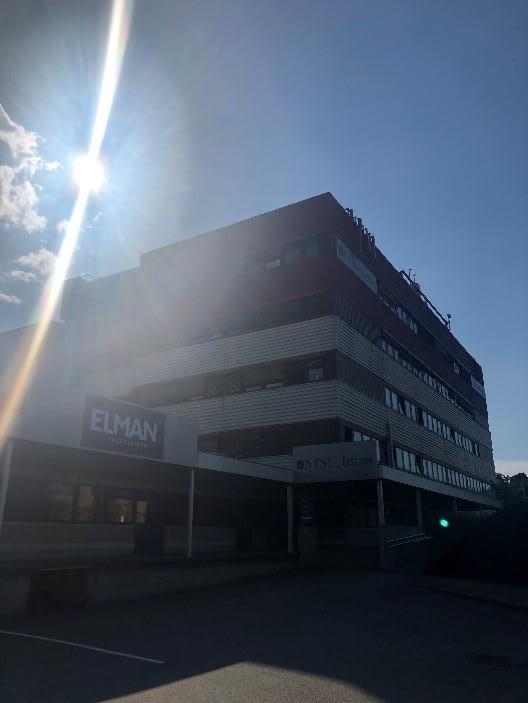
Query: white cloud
x=23 y=276
x=9 y=299
x=20 y=142
x=40 y=261
x=19 y=201
x=62 y=226
x=18 y=195
x=510 y=467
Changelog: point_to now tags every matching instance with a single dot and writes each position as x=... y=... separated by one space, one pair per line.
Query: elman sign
x=116 y=426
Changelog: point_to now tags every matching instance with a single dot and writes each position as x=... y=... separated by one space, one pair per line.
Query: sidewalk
x=498 y=594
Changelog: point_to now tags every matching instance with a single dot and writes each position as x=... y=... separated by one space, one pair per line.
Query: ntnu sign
x=335 y=456
x=122 y=427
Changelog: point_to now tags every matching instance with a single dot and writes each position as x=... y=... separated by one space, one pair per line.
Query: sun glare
x=88 y=173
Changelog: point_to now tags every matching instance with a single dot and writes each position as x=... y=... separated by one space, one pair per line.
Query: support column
x=190 y=515
x=455 y=505
x=381 y=503
x=419 y=517
x=381 y=525
x=4 y=479
x=289 y=509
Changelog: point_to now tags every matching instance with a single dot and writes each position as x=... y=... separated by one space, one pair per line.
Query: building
x=290 y=340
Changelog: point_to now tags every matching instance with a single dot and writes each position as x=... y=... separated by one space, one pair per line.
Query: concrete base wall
x=118 y=585
x=74 y=587
x=14 y=594
x=347 y=537
x=20 y=540
x=206 y=540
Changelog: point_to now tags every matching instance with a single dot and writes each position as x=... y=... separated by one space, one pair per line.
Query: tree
x=512 y=489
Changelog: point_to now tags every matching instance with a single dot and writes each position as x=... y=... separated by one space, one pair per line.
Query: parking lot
x=299 y=636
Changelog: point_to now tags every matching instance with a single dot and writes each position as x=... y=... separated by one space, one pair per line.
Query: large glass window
x=86 y=504
x=59 y=502
x=119 y=507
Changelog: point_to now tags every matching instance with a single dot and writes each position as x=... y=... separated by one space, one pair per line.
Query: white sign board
x=113 y=426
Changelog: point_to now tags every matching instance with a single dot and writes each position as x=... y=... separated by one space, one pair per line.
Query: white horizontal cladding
x=259 y=347
x=361 y=411
x=372 y=417
x=110 y=382
x=351 y=342
x=409 y=434
x=274 y=406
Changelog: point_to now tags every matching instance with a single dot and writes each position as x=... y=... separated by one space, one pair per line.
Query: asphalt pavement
x=302 y=636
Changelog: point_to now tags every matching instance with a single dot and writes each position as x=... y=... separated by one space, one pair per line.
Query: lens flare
x=32 y=344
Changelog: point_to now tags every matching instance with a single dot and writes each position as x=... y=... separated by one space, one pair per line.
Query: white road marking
x=81 y=646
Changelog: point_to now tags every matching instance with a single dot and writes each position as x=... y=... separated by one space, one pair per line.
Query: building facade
x=288 y=330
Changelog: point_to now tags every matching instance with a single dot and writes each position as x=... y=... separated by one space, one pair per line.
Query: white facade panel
x=274 y=406
x=112 y=382
x=369 y=414
x=351 y=342
x=260 y=347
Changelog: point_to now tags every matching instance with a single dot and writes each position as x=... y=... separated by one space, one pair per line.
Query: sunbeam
x=117 y=39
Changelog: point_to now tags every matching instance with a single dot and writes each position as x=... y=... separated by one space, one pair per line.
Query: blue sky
x=412 y=113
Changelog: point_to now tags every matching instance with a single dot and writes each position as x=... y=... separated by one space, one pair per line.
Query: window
x=272 y=264
x=292 y=255
x=141 y=512
x=59 y=503
x=311 y=249
x=119 y=507
x=414 y=366
x=86 y=504
x=315 y=374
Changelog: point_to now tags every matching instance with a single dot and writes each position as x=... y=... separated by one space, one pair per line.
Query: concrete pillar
x=289 y=509
x=419 y=517
x=190 y=514
x=381 y=525
x=381 y=504
x=455 y=505
x=4 y=479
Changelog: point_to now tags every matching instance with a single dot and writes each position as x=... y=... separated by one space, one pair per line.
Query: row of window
x=399 y=310
x=412 y=365
x=413 y=412
x=53 y=501
x=269 y=441
x=305 y=249
x=408 y=461
x=408 y=320
x=246 y=380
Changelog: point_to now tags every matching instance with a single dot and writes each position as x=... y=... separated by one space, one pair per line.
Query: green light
x=443 y=522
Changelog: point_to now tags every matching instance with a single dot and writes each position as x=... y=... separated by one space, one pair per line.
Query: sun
x=88 y=173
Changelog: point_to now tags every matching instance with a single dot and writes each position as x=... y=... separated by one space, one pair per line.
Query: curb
x=487 y=600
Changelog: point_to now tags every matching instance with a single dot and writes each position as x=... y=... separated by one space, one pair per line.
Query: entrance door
x=149 y=527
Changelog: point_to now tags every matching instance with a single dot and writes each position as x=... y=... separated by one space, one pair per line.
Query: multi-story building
x=287 y=330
